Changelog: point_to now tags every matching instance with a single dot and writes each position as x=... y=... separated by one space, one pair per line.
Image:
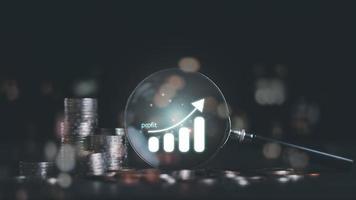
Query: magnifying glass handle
x=243 y=136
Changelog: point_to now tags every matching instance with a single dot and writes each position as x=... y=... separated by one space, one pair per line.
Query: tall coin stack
x=80 y=116
x=80 y=121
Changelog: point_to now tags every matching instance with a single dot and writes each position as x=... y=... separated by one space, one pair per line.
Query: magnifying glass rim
x=223 y=141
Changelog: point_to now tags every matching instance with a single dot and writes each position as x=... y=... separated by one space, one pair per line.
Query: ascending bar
x=168 y=142
x=153 y=144
x=199 y=134
x=184 y=139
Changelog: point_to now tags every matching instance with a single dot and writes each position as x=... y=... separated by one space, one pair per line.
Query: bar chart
x=184 y=143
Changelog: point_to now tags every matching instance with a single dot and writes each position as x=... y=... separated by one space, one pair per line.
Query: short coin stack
x=115 y=148
x=41 y=170
x=113 y=145
x=96 y=164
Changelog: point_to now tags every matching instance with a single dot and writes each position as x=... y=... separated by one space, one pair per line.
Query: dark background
x=47 y=48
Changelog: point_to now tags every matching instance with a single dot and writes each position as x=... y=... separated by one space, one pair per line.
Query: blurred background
x=286 y=69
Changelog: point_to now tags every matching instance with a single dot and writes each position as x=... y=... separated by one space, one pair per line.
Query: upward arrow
x=198 y=105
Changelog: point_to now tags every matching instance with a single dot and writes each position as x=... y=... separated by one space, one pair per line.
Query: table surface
x=189 y=184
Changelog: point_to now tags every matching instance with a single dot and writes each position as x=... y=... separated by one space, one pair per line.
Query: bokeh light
x=305 y=116
x=272 y=150
x=239 y=121
x=64 y=180
x=66 y=158
x=50 y=150
x=84 y=88
x=297 y=159
x=270 y=91
x=189 y=64
x=10 y=89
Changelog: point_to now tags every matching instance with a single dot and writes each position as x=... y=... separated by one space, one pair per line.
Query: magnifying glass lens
x=176 y=119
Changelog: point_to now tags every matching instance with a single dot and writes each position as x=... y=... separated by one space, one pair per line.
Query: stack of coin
x=80 y=116
x=96 y=164
x=80 y=121
x=81 y=150
x=115 y=148
x=40 y=170
x=112 y=143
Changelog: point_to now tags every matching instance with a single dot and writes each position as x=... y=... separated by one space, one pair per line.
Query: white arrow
x=198 y=105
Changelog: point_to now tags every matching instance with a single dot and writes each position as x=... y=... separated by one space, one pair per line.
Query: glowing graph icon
x=183 y=134
x=183 y=138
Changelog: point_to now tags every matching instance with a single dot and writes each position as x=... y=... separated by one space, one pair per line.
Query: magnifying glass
x=176 y=119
